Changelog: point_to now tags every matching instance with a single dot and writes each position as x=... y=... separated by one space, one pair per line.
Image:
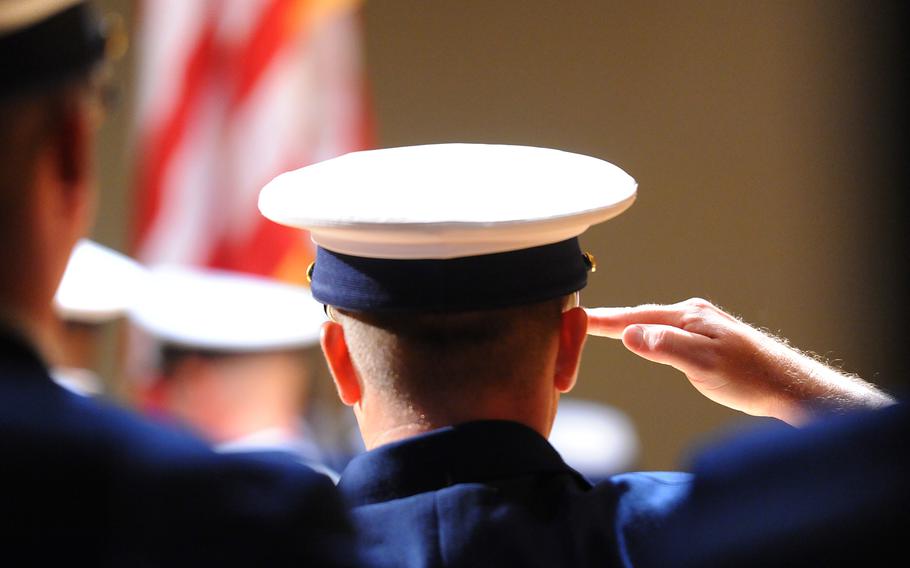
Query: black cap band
x=469 y=283
x=57 y=48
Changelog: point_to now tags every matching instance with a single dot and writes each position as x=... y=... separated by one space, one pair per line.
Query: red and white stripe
x=231 y=93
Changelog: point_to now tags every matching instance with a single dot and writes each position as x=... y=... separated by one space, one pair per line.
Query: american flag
x=231 y=93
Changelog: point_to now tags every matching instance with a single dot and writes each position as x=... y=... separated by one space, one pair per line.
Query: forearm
x=809 y=388
x=735 y=364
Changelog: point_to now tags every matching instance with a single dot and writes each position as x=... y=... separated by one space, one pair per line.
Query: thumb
x=668 y=345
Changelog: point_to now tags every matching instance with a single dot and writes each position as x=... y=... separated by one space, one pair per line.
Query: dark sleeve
x=218 y=510
x=835 y=493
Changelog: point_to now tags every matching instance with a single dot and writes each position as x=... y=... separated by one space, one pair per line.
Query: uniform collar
x=17 y=351
x=464 y=453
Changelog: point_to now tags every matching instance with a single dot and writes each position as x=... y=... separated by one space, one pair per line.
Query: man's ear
x=72 y=148
x=572 y=334
x=335 y=349
x=74 y=142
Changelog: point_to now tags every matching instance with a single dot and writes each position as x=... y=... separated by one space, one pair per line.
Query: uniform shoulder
x=652 y=485
x=646 y=497
x=833 y=493
x=158 y=493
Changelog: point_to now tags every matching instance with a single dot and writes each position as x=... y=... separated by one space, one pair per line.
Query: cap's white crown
x=226 y=311
x=18 y=14
x=447 y=200
x=99 y=284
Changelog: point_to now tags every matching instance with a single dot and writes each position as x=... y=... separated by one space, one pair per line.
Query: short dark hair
x=171 y=356
x=428 y=357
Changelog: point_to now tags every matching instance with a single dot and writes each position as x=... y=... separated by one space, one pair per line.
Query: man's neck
x=386 y=429
x=396 y=433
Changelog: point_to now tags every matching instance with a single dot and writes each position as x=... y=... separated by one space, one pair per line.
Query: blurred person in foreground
x=231 y=359
x=98 y=288
x=82 y=480
x=451 y=273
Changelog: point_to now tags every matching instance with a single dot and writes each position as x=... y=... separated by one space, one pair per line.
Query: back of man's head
x=449 y=266
x=49 y=51
x=31 y=124
x=444 y=362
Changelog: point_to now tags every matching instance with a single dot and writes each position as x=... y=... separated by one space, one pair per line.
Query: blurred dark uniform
x=82 y=481
x=832 y=494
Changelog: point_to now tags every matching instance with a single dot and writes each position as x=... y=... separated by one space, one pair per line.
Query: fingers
x=692 y=315
x=669 y=345
x=608 y=322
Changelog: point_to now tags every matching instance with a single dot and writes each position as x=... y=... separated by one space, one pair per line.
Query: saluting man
x=451 y=273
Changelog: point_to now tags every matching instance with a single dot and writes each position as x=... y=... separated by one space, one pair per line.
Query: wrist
x=816 y=389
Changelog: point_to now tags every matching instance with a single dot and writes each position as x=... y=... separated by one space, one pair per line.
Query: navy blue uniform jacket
x=497 y=494
x=86 y=483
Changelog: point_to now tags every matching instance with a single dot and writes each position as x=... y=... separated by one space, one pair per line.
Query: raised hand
x=732 y=363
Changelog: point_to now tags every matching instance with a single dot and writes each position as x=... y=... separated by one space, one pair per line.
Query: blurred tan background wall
x=759 y=133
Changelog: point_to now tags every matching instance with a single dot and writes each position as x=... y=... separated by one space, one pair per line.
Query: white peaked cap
x=99 y=284
x=226 y=311
x=16 y=14
x=595 y=439
x=441 y=201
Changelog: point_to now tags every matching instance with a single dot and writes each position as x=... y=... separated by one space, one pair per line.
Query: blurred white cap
x=226 y=311
x=99 y=284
